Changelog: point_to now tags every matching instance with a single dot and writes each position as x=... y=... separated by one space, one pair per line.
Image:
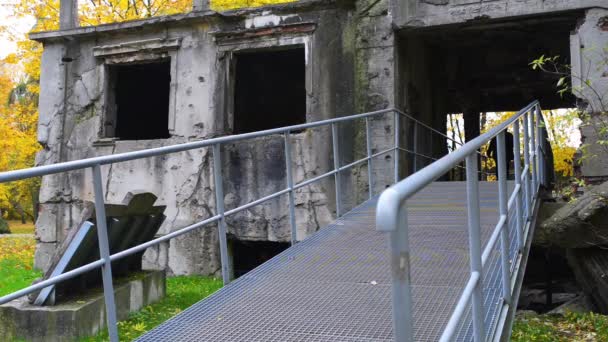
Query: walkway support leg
x=503 y=199
x=104 y=254
x=475 y=245
x=219 y=202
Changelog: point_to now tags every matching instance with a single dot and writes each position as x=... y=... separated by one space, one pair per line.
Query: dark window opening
x=141 y=98
x=269 y=90
x=247 y=255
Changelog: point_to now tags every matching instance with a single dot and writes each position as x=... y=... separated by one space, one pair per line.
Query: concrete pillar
x=588 y=50
x=68 y=14
x=472 y=127
x=200 y=5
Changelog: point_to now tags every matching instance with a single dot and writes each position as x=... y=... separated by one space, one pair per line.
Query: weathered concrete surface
x=589 y=53
x=74 y=99
x=580 y=224
x=590 y=267
x=81 y=316
x=420 y=13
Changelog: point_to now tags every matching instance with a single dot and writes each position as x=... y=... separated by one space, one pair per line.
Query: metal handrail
x=95 y=165
x=391 y=216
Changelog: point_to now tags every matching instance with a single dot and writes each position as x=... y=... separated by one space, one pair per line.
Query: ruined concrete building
x=166 y=80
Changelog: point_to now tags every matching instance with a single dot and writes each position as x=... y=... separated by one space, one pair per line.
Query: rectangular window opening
x=140 y=98
x=269 y=90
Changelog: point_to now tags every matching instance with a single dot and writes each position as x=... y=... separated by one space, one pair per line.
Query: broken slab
x=590 y=267
x=81 y=316
x=582 y=223
x=132 y=223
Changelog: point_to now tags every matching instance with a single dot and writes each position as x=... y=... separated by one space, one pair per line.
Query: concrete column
x=588 y=52
x=472 y=128
x=200 y=5
x=68 y=14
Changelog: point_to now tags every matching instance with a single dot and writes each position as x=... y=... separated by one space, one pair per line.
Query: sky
x=18 y=27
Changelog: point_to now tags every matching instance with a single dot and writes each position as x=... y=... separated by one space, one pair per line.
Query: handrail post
x=289 y=175
x=534 y=161
x=539 y=146
x=401 y=282
x=221 y=223
x=527 y=166
x=368 y=140
x=336 y=149
x=475 y=245
x=518 y=197
x=396 y=124
x=415 y=146
x=104 y=254
x=503 y=199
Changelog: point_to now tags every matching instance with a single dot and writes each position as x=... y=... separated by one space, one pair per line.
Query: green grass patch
x=557 y=328
x=15 y=276
x=17 y=227
x=182 y=292
x=16 y=261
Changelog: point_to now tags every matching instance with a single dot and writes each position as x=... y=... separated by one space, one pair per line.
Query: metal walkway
x=336 y=285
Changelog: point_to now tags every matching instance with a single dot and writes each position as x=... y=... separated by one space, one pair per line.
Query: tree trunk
x=3 y=225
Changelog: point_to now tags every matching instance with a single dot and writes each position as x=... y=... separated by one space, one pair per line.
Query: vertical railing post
x=533 y=162
x=475 y=245
x=368 y=140
x=336 y=148
x=104 y=254
x=518 y=198
x=527 y=166
x=415 y=146
x=396 y=119
x=401 y=287
x=539 y=146
x=503 y=199
x=289 y=175
x=219 y=203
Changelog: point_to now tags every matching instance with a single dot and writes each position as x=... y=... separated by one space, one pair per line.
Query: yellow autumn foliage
x=225 y=5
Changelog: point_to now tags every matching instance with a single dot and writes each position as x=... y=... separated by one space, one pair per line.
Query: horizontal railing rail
x=95 y=163
x=391 y=216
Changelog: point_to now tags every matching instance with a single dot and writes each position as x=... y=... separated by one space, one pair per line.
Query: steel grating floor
x=335 y=285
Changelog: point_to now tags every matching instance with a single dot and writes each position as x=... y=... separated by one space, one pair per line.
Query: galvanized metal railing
x=391 y=216
x=220 y=216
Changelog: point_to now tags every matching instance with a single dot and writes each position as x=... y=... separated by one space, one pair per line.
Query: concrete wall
x=589 y=54
x=342 y=78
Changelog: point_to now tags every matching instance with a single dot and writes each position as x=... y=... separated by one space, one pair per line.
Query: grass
x=17 y=227
x=557 y=328
x=16 y=272
x=182 y=292
x=16 y=263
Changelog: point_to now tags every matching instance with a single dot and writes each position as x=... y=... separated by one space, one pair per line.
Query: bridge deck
x=336 y=286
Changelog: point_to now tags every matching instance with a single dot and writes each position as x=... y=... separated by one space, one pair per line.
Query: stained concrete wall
x=589 y=53
x=343 y=77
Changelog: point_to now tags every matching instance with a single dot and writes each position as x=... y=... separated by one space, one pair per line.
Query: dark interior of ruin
x=247 y=255
x=142 y=100
x=488 y=66
x=269 y=90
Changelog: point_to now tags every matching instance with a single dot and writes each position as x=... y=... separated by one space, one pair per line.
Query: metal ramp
x=450 y=267
x=336 y=285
